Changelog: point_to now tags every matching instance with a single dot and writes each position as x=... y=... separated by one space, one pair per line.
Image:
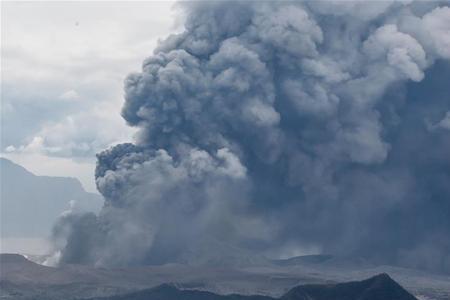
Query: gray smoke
x=273 y=127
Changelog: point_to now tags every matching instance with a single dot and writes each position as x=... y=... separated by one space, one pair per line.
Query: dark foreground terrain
x=305 y=278
x=380 y=287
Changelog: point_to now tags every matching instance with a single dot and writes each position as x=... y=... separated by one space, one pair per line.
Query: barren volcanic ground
x=23 y=279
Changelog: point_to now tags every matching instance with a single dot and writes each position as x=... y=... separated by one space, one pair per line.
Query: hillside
x=37 y=199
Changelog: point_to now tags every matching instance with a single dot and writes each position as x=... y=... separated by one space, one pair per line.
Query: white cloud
x=63 y=66
x=78 y=135
x=68 y=51
x=69 y=95
x=10 y=148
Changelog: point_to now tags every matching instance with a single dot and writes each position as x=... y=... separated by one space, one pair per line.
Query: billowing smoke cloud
x=273 y=127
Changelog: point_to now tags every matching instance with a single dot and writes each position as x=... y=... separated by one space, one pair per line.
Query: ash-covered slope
x=21 y=279
x=380 y=287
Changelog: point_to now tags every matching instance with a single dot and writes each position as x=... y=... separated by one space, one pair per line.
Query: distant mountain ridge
x=170 y=291
x=304 y=259
x=37 y=199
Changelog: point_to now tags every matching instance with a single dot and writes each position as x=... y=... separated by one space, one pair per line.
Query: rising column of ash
x=265 y=128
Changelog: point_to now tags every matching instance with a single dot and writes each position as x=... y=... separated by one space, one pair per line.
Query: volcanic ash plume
x=269 y=128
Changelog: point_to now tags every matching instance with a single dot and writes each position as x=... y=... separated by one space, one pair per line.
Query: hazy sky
x=63 y=66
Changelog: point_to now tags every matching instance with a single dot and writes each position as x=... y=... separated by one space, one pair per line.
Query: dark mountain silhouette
x=37 y=199
x=380 y=287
